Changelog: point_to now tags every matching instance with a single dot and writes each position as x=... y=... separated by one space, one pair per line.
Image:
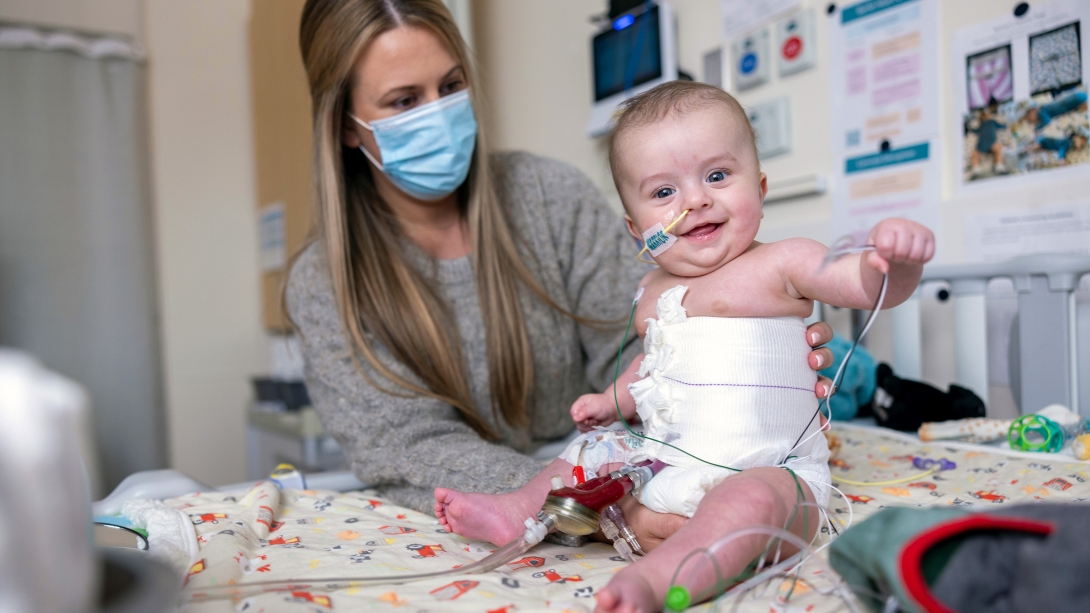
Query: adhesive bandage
x=658 y=239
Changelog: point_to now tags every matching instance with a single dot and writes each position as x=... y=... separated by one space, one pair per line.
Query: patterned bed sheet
x=306 y=535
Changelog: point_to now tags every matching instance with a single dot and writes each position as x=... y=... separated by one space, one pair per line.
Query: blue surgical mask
x=426 y=152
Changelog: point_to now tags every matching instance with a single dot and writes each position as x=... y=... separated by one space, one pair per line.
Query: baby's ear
x=632 y=229
x=763 y=188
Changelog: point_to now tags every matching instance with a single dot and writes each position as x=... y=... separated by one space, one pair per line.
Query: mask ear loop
x=362 y=148
x=639 y=256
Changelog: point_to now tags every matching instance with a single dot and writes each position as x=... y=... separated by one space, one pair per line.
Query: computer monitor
x=637 y=52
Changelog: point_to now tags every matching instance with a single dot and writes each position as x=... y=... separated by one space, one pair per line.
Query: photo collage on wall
x=1048 y=129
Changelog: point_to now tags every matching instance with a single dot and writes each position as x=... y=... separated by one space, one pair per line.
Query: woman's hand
x=817 y=335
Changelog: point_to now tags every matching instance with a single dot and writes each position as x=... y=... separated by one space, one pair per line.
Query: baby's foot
x=630 y=591
x=497 y=518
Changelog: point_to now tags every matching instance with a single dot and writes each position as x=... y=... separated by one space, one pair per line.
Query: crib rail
x=1047 y=334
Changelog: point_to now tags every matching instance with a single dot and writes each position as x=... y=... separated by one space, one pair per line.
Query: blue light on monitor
x=623 y=22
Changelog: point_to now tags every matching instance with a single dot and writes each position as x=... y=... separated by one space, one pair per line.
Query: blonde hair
x=381 y=298
x=673 y=98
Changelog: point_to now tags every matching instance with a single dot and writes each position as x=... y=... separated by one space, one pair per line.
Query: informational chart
x=885 y=107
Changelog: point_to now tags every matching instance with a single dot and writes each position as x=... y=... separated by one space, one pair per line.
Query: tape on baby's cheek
x=658 y=240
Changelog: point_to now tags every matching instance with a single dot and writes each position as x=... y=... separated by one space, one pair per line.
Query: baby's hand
x=592 y=410
x=899 y=242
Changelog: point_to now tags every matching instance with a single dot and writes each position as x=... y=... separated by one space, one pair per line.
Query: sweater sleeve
x=597 y=259
x=406 y=446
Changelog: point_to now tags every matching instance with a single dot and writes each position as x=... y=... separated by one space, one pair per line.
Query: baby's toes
x=606 y=601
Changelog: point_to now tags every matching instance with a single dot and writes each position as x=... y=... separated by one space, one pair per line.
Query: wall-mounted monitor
x=635 y=53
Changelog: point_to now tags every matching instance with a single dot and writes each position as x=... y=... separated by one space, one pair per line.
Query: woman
x=454 y=303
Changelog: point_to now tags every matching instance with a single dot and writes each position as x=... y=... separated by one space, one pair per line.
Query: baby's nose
x=698 y=199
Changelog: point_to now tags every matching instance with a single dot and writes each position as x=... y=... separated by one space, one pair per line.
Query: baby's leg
x=765 y=496
x=497 y=518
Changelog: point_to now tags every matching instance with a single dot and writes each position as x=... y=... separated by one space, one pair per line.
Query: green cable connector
x=677 y=599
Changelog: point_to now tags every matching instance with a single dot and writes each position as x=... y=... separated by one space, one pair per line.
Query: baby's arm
x=901 y=249
x=592 y=410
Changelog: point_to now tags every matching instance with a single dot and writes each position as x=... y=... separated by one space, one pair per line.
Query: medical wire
x=776 y=568
x=889 y=482
x=838 y=377
x=498 y=558
x=851 y=513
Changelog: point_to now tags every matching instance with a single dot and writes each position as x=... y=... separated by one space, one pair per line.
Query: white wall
x=95 y=16
x=535 y=64
x=203 y=176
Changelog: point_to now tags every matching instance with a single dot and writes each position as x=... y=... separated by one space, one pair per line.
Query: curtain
x=77 y=285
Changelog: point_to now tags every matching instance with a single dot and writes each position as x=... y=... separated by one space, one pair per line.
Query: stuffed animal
x=904 y=405
x=858 y=382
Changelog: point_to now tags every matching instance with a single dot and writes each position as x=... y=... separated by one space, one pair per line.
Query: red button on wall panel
x=792 y=47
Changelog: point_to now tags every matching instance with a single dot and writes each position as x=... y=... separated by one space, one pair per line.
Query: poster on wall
x=1063 y=228
x=884 y=68
x=1020 y=97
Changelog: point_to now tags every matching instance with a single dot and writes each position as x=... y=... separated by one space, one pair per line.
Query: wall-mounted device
x=772 y=122
x=635 y=52
x=751 y=60
x=713 y=68
x=796 y=45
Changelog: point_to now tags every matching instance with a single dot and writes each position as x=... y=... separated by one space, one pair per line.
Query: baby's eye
x=717 y=176
x=665 y=192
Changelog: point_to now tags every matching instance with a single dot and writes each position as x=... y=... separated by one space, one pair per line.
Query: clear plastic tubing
x=502 y=556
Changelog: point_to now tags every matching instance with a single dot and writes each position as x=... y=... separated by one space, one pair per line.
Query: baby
x=724 y=374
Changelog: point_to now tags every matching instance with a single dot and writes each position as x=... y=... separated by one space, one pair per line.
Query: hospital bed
x=336 y=527
x=316 y=533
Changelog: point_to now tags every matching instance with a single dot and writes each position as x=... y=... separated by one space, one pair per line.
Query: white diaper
x=680 y=490
x=601 y=446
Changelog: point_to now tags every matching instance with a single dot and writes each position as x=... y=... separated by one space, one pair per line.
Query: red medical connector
x=575 y=510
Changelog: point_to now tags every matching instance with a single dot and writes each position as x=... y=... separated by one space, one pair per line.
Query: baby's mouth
x=702 y=230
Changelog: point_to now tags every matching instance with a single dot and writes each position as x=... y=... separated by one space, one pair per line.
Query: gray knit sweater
x=584 y=258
